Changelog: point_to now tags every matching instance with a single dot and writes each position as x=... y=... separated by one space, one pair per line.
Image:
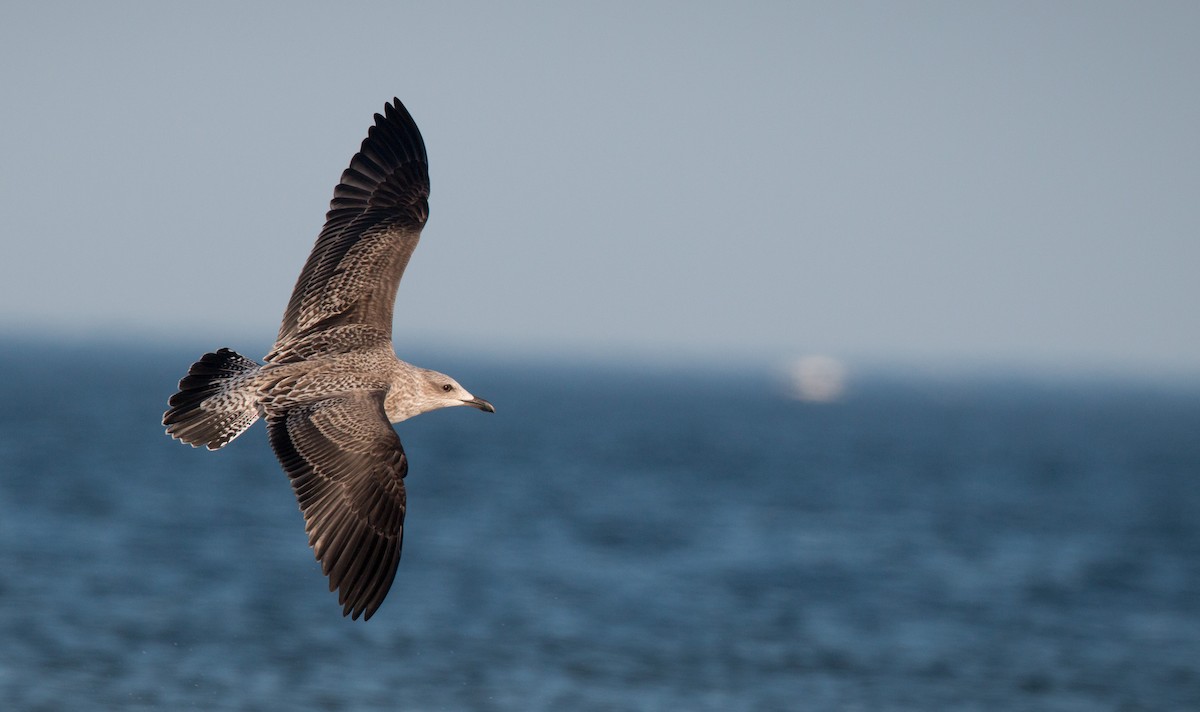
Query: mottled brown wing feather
x=347 y=468
x=371 y=230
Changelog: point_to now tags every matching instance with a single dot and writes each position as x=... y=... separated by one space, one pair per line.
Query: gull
x=332 y=384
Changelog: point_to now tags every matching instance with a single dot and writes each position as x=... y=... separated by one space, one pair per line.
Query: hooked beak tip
x=480 y=404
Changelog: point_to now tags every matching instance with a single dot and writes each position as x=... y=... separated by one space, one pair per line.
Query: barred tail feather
x=216 y=401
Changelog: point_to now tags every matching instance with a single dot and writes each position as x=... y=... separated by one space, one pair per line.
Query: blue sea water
x=613 y=540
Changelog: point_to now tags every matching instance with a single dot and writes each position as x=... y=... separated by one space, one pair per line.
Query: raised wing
x=347 y=469
x=371 y=230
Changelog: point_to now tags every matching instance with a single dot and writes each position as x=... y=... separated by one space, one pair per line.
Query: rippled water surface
x=613 y=540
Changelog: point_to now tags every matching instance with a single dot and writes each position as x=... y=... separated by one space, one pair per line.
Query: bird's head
x=445 y=392
x=419 y=390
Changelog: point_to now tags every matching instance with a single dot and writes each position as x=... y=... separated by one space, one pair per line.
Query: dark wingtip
x=390 y=170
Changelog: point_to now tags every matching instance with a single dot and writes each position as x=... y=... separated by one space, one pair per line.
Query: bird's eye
x=447 y=388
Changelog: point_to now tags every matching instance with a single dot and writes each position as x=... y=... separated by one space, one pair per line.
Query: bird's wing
x=347 y=468
x=371 y=230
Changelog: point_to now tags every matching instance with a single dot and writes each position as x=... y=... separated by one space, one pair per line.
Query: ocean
x=614 y=539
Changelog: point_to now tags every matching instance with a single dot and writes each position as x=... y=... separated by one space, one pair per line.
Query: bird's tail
x=216 y=401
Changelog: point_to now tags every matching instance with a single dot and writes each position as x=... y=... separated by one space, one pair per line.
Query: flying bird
x=332 y=384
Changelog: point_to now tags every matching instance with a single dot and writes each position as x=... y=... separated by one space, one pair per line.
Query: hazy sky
x=1007 y=182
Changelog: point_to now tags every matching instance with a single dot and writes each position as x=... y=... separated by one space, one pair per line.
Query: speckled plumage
x=332 y=383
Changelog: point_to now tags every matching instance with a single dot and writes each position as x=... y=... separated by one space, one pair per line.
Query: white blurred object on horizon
x=817 y=379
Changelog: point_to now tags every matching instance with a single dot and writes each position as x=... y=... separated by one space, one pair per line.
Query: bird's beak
x=480 y=404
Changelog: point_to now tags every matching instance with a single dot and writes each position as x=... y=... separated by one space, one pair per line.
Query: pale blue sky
x=909 y=182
